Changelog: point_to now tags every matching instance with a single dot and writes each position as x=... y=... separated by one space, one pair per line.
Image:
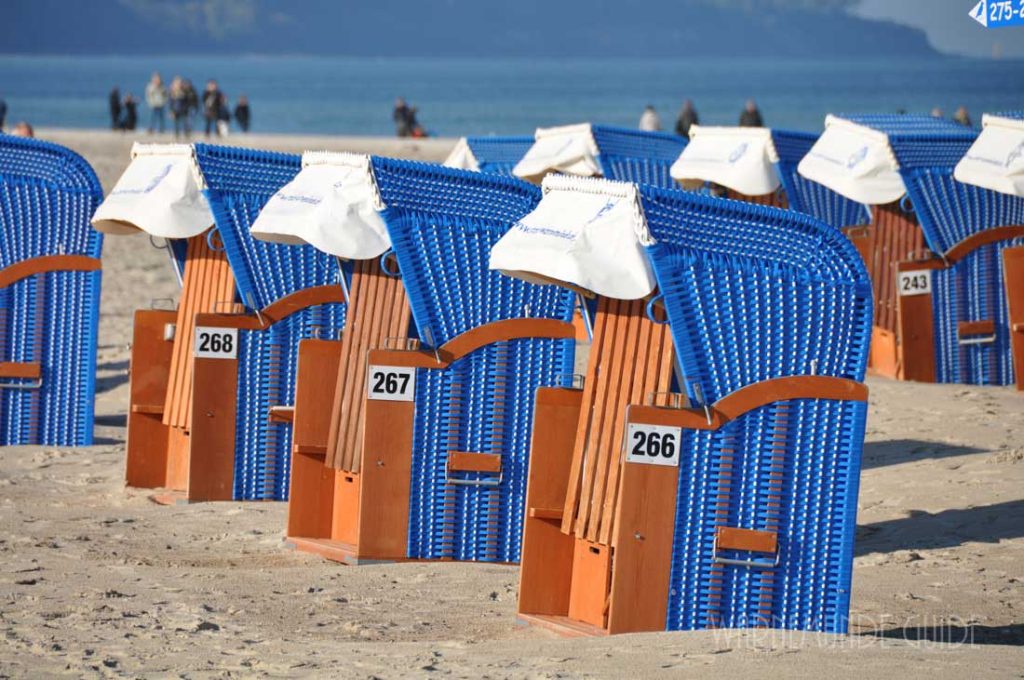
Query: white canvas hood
x=332 y=204
x=996 y=159
x=160 y=193
x=585 y=233
x=569 y=149
x=854 y=161
x=742 y=159
x=462 y=157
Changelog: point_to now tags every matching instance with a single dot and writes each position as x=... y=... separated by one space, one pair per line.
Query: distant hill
x=454 y=28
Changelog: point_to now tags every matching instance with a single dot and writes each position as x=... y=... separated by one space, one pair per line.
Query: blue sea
x=336 y=95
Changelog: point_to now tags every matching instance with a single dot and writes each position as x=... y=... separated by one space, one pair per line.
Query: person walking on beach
x=403 y=117
x=751 y=116
x=114 y=100
x=130 y=113
x=242 y=113
x=223 y=116
x=191 y=103
x=180 y=108
x=211 y=106
x=961 y=116
x=687 y=117
x=3 y=113
x=156 y=100
x=649 y=120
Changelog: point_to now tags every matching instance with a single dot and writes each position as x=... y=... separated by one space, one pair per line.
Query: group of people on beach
x=650 y=121
x=183 y=103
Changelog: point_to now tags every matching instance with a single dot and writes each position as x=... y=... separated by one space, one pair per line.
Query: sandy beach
x=97 y=580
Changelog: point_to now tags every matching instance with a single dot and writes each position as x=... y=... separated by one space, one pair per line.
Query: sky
x=948 y=26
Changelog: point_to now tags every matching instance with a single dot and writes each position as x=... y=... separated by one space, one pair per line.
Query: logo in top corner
x=855 y=158
x=980 y=13
x=1016 y=153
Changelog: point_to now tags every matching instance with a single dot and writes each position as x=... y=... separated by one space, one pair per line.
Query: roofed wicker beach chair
x=601 y=151
x=759 y=165
x=940 y=315
x=706 y=474
x=49 y=294
x=497 y=155
x=212 y=381
x=990 y=283
x=426 y=448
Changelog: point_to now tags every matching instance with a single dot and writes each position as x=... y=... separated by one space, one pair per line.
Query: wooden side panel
x=643 y=548
x=884 y=359
x=146 y=447
x=310 y=497
x=591 y=575
x=916 y=334
x=345 y=513
x=179 y=449
x=206 y=283
x=547 y=554
x=314 y=385
x=379 y=310
x=385 y=479
x=214 y=404
x=1013 y=272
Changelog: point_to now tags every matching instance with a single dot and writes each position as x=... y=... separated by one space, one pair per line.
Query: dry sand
x=97 y=580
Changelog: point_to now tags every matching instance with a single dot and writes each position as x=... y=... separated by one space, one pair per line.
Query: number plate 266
x=653 y=444
x=391 y=383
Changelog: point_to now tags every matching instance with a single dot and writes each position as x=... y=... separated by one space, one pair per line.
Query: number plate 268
x=391 y=383
x=653 y=444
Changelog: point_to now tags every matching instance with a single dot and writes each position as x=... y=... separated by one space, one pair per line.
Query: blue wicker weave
x=443 y=223
x=754 y=293
x=47 y=197
x=239 y=183
x=498 y=155
x=632 y=155
x=949 y=212
x=808 y=196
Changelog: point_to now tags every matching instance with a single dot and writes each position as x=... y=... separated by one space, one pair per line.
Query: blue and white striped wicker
x=49 y=308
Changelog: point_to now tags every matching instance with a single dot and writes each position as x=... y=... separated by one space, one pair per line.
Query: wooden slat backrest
x=378 y=310
x=631 y=357
x=897 y=237
x=207 y=283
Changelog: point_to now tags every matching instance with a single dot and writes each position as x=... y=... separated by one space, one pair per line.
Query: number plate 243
x=653 y=444
x=391 y=383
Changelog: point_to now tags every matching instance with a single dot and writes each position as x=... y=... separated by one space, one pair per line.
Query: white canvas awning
x=585 y=233
x=462 y=157
x=160 y=193
x=996 y=159
x=855 y=161
x=332 y=204
x=740 y=158
x=569 y=149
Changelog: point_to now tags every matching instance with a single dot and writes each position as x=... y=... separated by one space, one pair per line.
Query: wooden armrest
x=547 y=513
x=29 y=370
x=47 y=263
x=462 y=461
x=148 y=409
x=965 y=328
x=282 y=414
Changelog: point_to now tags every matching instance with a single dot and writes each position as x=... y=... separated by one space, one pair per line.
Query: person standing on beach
x=211 y=106
x=3 y=113
x=191 y=105
x=751 y=116
x=242 y=113
x=649 y=120
x=130 y=113
x=179 y=107
x=687 y=117
x=403 y=117
x=114 y=100
x=961 y=116
x=156 y=100
x=223 y=116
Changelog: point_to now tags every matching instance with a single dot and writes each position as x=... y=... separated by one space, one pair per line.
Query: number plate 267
x=391 y=383
x=653 y=444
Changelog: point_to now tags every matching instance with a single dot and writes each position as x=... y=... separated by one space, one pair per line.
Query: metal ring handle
x=456 y=481
x=905 y=204
x=209 y=241
x=395 y=273
x=650 y=309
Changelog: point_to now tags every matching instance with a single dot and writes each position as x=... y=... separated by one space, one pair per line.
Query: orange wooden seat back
x=895 y=237
x=630 y=358
x=378 y=310
x=207 y=284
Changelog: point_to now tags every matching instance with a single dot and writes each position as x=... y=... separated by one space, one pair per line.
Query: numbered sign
x=216 y=343
x=391 y=383
x=917 y=282
x=653 y=444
